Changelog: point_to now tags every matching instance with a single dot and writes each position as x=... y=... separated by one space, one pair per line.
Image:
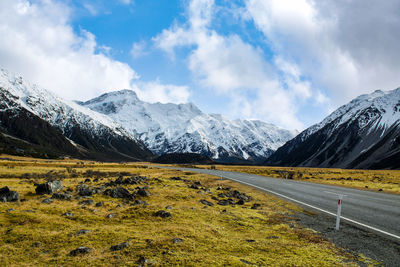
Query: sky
x=287 y=62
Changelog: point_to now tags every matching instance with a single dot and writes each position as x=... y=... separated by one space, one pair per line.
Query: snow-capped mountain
x=91 y=132
x=183 y=128
x=364 y=133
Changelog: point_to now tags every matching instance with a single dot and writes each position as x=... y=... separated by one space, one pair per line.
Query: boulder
x=162 y=214
x=6 y=195
x=85 y=191
x=205 y=202
x=49 y=187
x=86 y=202
x=61 y=196
x=80 y=251
x=119 y=246
x=143 y=192
x=118 y=192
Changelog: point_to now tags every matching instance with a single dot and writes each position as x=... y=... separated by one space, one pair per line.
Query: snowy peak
x=365 y=133
x=172 y=128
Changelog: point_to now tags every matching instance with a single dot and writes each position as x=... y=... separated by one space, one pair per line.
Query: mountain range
x=364 y=133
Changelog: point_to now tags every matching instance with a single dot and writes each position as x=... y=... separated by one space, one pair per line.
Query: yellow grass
x=373 y=180
x=212 y=236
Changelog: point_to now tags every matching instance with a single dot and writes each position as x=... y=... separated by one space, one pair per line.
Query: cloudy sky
x=288 y=62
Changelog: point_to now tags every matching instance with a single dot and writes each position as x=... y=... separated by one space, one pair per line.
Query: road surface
x=377 y=212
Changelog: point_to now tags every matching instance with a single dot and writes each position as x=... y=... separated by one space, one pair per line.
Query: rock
x=272 y=237
x=6 y=195
x=30 y=211
x=128 y=181
x=240 y=202
x=87 y=180
x=380 y=190
x=82 y=232
x=255 y=206
x=112 y=215
x=84 y=190
x=250 y=240
x=49 y=187
x=61 y=196
x=99 y=204
x=177 y=240
x=37 y=244
x=119 y=246
x=205 y=202
x=222 y=195
x=169 y=208
x=80 y=251
x=86 y=202
x=142 y=261
x=143 y=192
x=139 y=202
x=9 y=210
x=197 y=183
x=163 y=214
x=118 y=192
x=176 y=178
x=366 y=186
x=225 y=202
x=219 y=188
x=193 y=186
x=246 y=262
x=47 y=201
x=68 y=214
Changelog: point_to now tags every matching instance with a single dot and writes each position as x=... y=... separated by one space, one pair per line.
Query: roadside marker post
x=339 y=210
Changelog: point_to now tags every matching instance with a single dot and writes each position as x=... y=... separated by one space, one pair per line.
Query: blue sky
x=288 y=62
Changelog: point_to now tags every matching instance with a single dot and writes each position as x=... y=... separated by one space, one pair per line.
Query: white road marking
x=311 y=206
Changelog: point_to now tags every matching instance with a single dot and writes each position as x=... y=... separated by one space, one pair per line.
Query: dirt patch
x=352 y=239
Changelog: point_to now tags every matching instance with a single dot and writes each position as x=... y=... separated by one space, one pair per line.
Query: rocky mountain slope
x=66 y=125
x=183 y=128
x=365 y=133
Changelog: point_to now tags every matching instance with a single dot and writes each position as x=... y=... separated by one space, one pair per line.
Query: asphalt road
x=377 y=212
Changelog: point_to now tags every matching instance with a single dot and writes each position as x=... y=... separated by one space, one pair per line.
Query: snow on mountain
x=361 y=134
x=85 y=127
x=172 y=128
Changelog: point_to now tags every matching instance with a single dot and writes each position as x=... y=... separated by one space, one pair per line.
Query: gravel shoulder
x=352 y=239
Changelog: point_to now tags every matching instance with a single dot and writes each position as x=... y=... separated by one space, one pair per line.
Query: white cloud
x=125 y=2
x=138 y=49
x=232 y=67
x=156 y=92
x=38 y=42
x=345 y=47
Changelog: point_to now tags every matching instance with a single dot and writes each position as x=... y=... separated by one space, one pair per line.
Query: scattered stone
x=193 y=186
x=177 y=240
x=82 y=232
x=128 y=181
x=142 y=261
x=205 y=202
x=118 y=192
x=47 y=201
x=96 y=180
x=169 y=208
x=61 y=196
x=197 y=183
x=9 y=210
x=255 y=206
x=139 y=202
x=87 y=180
x=272 y=237
x=250 y=240
x=143 y=192
x=222 y=195
x=49 y=187
x=68 y=214
x=219 y=188
x=366 y=186
x=84 y=190
x=380 y=190
x=225 y=202
x=240 y=202
x=176 y=178
x=99 y=204
x=119 y=246
x=86 y=202
x=80 y=251
x=112 y=215
x=162 y=214
x=6 y=195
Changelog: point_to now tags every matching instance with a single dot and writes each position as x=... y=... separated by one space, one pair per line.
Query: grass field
x=386 y=180
x=35 y=234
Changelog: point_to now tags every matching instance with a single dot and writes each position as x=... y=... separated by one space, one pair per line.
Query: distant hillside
x=365 y=133
x=183 y=158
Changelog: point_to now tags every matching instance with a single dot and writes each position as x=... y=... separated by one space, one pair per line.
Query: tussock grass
x=212 y=236
x=373 y=180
